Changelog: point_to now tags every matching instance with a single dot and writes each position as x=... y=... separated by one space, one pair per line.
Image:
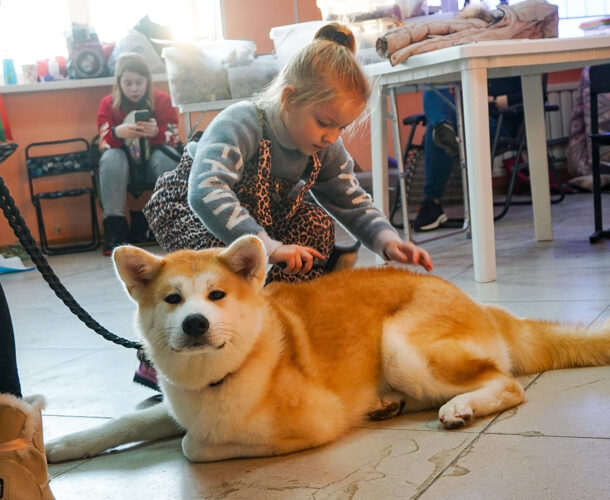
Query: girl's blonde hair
x=131 y=61
x=321 y=71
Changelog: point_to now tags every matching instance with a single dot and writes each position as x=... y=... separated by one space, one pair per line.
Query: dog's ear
x=135 y=267
x=246 y=257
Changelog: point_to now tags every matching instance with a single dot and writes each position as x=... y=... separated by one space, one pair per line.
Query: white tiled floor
x=554 y=446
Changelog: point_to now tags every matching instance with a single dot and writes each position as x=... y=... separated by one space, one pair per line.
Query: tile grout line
x=470 y=445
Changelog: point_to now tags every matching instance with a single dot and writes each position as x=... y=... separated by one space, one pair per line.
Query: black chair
x=412 y=151
x=500 y=144
x=599 y=83
x=516 y=142
x=55 y=158
x=7 y=149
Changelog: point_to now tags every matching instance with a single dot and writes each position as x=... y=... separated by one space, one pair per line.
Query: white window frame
x=23 y=20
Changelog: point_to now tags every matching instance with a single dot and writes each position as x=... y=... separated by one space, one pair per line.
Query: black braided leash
x=17 y=223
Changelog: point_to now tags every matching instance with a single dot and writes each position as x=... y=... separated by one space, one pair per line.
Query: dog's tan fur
x=289 y=367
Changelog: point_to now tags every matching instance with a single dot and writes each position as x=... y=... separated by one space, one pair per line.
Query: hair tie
x=340 y=37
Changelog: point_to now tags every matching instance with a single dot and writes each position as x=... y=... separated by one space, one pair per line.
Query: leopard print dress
x=276 y=204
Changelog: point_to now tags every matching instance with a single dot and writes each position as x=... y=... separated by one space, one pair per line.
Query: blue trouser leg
x=438 y=164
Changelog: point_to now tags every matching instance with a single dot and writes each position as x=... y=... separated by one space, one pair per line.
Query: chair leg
x=95 y=229
x=42 y=233
x=599 y=232
x=512 y=181
x=80 y=247
x=511 y=185
x=555 y=174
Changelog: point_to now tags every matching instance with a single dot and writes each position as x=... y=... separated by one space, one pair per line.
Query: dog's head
x=199 y=312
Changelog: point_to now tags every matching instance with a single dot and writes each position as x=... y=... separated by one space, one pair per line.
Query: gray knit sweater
x=232 y=139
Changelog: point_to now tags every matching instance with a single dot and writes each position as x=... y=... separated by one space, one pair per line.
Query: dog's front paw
x=454 y=415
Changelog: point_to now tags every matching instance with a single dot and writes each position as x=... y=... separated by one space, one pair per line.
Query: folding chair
x=406 y=163
x=55 y=158
x=517 y=144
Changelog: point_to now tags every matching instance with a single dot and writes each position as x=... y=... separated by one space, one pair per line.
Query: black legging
x=9 y=377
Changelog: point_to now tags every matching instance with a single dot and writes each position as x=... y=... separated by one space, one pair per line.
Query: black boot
x=140 y=233
x=342 y=257
x=116 y=231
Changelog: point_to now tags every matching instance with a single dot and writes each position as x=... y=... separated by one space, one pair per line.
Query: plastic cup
x=30 y=73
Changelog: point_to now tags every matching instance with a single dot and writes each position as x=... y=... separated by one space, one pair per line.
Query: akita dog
x=248 y=371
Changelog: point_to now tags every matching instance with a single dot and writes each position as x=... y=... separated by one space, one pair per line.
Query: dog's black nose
x=195 y=325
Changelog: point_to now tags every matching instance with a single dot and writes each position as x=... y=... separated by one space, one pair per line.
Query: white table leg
x=533 y=106
x=478 y=156
x=379 y=151
x=187 y=125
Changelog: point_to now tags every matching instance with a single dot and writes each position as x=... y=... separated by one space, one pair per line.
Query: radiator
x=558 y=122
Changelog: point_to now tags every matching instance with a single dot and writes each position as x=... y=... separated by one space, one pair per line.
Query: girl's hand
x=298 y=259
x=129 y=131
x=150 y=127
x=408 y=253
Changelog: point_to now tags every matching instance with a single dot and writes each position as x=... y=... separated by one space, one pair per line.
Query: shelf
x=66 y=84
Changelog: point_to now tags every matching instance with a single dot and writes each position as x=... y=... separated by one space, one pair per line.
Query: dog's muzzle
x=195 y=325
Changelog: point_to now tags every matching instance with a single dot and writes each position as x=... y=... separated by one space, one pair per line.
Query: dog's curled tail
x=538 y=345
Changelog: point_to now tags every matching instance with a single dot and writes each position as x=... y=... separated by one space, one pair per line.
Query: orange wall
x=250 y=20
x=52 y=115
x=49 y=116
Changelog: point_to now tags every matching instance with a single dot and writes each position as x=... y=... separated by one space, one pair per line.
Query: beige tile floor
x=554 y=446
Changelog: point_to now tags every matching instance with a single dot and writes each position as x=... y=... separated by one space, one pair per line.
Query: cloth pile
x=528 y=19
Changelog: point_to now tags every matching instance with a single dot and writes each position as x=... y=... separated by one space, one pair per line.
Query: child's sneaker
x=146 y=373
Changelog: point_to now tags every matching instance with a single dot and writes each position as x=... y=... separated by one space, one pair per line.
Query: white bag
x=135 y=41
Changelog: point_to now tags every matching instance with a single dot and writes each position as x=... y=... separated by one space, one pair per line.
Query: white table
x=471 y=65
x=201 y=108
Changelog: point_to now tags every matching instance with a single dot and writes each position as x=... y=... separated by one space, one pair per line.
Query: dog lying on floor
x=248 y=371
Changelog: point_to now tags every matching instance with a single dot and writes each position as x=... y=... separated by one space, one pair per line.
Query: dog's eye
x=216 y=295
x=173 y=298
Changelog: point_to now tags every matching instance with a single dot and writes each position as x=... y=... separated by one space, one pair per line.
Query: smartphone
x=142 y=115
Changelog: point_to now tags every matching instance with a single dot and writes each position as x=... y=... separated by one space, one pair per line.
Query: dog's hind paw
x=454 y=415
x=388 y=410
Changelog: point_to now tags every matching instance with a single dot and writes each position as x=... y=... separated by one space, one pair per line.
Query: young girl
x=121 y=134
x=257 y=164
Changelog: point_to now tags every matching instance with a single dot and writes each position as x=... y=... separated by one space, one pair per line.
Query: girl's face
x=133 y=85
x=314 y=127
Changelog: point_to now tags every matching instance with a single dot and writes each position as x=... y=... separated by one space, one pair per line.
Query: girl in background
x=138 y=129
